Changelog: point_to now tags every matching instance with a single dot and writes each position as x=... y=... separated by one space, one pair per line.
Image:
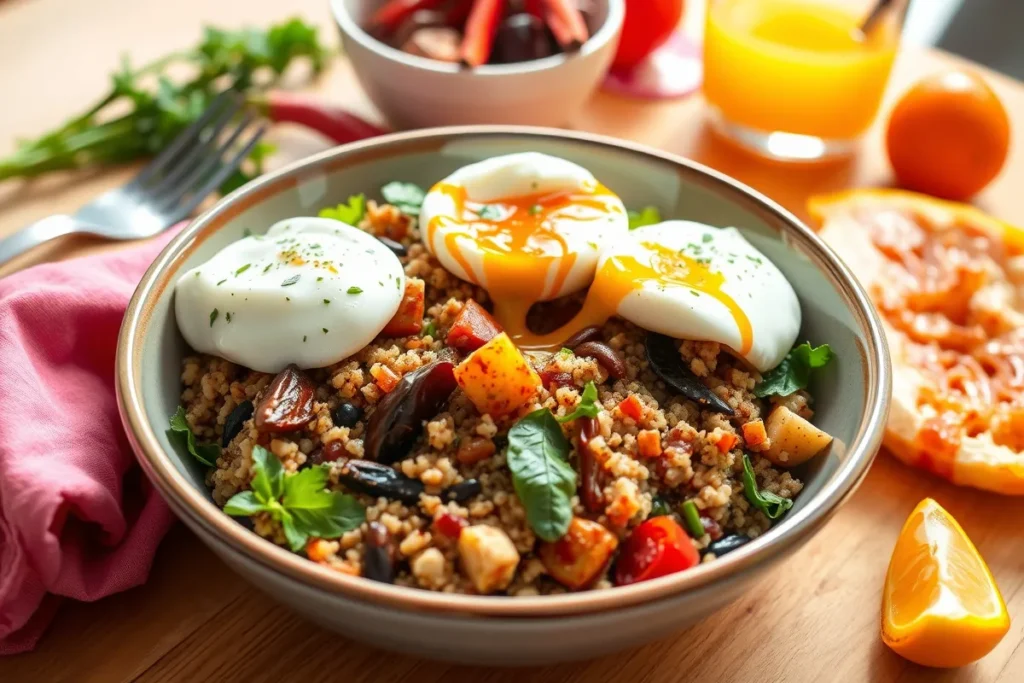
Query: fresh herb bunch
x=159 y=108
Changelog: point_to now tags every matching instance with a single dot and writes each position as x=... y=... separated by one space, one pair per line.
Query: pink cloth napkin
x=78 y=518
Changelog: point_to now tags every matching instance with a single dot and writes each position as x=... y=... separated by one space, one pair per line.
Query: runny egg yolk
x=521 y=240
x=622 y=274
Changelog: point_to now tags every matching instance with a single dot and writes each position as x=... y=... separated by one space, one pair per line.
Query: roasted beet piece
x=287 y=404
x=663 y=356
x=473 y=328
x=398 y=418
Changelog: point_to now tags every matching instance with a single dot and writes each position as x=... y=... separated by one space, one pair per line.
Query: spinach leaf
x=406 y=197
x=300 y=501
x=180 y=433
x=350 y=212
x=541 y=475
x=793 y=373
x=587 y=407
x=649 y=215
x=772 y=505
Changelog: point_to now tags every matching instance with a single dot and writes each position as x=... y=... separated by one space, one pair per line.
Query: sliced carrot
x=631 y=407
x=481 y=26
x=754 y=433
x=649 y=443
x=384 y=376
x=726 y=442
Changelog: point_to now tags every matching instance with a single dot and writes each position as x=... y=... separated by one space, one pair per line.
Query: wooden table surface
x=813 y=619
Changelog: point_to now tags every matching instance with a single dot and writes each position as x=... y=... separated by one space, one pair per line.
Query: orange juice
x=796 y=66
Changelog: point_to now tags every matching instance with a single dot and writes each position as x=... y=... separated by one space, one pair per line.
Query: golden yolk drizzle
x=518 y=239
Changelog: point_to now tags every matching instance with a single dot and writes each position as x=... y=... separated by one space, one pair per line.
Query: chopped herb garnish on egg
x=303 y=338
x=221 y=282
x=213 y=316
x=324 y=329
x=319 y=279
x=354 y=290
x=694 y=292
x=754 y=259
x=227 y=316
x=269 y=266
x=326 y=301
x=535 y=209
x=706 y=237
x=488 y=212
x=242 y=269
x=197 y=273
x=290 y=281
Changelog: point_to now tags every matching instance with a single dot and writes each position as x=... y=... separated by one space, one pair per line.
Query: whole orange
x=948 y=136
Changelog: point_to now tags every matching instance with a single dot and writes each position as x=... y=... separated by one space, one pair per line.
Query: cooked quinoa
x=674 y=451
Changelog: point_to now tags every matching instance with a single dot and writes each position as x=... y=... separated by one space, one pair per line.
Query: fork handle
x=35 y=234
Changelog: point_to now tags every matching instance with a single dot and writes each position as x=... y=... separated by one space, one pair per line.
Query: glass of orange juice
x=796 y=80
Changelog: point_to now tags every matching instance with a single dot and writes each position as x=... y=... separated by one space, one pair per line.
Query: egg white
x=272 y=310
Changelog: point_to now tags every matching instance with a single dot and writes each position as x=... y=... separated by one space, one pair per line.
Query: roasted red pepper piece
x=481 y=26
x=473 y=328
x=579 y=557
x=657 y=547
x=395 y=12
x=409 y=317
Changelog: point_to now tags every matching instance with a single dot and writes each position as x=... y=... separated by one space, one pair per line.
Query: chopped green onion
x=691 y=519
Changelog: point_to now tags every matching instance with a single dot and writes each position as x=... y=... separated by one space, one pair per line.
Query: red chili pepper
x=657 y=547
x=480 y=29
x=569 y=21
x=333 y=122
x=395 y=12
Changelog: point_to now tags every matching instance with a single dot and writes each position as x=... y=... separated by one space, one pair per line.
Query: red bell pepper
x=395 y=12
x=569 y=21
x=481 y=26
x=409 y=317
x=657 y=547
x=473 y=328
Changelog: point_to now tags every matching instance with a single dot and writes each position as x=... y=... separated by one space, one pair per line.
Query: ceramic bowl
x=414 y=92
x=852 y=398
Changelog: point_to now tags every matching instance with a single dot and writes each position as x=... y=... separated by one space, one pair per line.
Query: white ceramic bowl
x=414 y=92
x=851 y=402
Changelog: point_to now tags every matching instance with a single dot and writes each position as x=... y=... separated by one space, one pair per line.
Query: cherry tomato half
x=657 y=547
x=647 y=26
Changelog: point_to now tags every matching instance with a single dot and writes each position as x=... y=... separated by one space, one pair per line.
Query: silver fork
x=167 y=190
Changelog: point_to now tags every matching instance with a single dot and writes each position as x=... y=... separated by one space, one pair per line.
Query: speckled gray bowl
x=852 y=399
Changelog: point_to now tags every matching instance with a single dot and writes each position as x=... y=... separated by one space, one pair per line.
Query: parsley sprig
x=300 y=501
x=587 y=407
x=350 y=212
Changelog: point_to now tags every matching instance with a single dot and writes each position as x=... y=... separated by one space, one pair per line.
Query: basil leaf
x=541 y=475
x=772 y=505
x=794 y=372
x=649 y=215
x=350 y=212
x=244 y=504
x=406 y=197
x=181 y=434
x=587 y=407
x=342 y=514
x=267 y=482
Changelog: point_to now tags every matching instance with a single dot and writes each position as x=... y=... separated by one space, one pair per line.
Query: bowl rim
x=605 y=34
x=196 y=507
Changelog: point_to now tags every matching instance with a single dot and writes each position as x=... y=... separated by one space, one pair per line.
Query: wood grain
x=814 y=619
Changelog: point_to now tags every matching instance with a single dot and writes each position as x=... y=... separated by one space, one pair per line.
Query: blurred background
x=984 y=31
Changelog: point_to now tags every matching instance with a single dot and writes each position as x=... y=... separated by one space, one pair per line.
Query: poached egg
x=526 y=227
x=312 y=291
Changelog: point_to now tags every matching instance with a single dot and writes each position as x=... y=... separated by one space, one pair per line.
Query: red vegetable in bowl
x=331 y=121
x=481 y=26
x=395 y=12
x=566 y=22
x=657 y=547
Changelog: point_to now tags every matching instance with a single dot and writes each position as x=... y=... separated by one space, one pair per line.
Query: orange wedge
x=940 y=606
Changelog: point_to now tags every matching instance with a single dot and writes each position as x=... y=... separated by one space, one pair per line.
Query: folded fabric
x=78 y=518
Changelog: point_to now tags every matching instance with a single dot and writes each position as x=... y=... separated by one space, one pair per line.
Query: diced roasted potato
x=578 y=558
x=488 y=557
x=497 y=378
x=794 y=440
x=754 y=433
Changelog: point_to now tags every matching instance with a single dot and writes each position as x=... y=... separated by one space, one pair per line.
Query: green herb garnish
x=350 y=212
x=535 y=209
x=429 y=330
x=227 y=316
x=213 y=316
x=649 y=215
x=221 y=282
x=354 y=290
x=587 y=407
x=326 y=301
x=691 y=519
x=242 y=269
x=300 y=501
x=489 y=213
x=290 y=281
x=794 y=372
x=181 y=433
x=706 y=237
x=772 y=505
x=406 y=197
x=537 y=457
